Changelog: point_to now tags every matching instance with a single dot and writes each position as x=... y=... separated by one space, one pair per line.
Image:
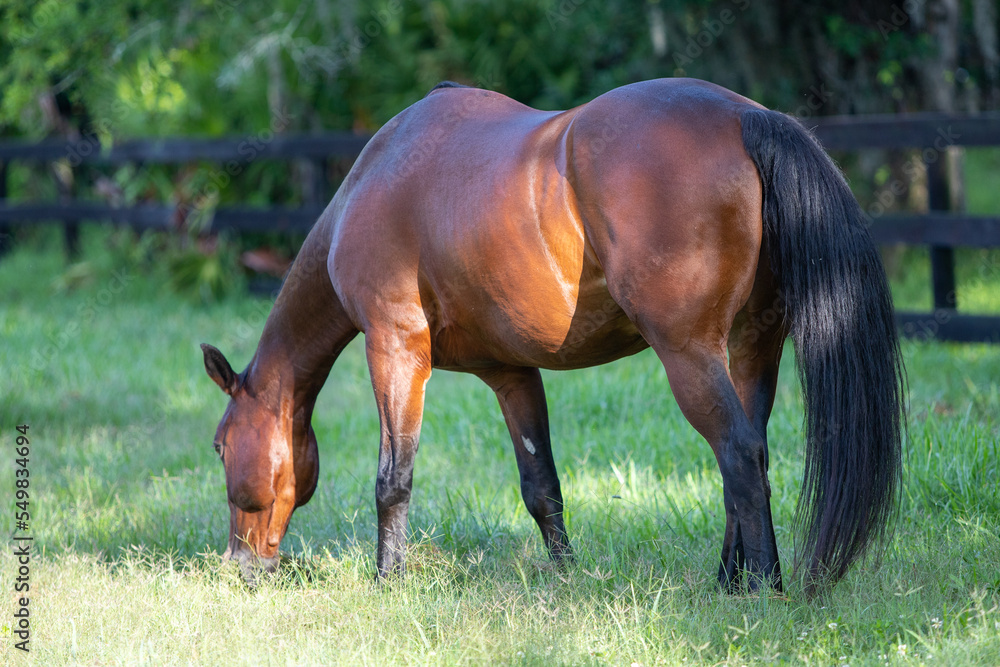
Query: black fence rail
x=231 y=155
x=941 y=229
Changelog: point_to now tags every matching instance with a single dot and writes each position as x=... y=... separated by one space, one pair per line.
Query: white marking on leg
x=529 y=445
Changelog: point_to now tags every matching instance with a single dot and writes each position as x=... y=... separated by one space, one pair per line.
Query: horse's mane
x=447 y=84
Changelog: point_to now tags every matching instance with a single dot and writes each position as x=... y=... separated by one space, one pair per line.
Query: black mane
x=447 y=84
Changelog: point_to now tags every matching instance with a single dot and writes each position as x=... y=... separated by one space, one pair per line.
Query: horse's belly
x=596 y=336
x=538 y=335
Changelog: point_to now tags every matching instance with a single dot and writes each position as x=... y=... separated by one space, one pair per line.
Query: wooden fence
x=941 y=228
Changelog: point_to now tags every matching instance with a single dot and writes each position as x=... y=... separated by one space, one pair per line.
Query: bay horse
x=476 y=234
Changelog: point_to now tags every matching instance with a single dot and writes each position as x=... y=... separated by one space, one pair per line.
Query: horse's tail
x=839 y=308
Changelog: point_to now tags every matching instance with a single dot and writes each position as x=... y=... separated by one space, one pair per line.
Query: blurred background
x=216 y=67
x=101 y=74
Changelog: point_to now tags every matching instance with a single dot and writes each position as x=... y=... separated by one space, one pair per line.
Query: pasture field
x=128 y=507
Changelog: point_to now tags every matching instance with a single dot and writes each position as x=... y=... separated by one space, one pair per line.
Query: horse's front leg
x=399 y=363
x=522 y=400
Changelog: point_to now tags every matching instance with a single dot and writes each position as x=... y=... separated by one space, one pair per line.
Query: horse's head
x=269 y=452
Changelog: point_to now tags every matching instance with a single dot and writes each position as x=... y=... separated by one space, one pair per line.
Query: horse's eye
x=218 y=448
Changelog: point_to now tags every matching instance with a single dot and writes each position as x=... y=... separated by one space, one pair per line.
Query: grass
x=129 y=515
x=977 y=275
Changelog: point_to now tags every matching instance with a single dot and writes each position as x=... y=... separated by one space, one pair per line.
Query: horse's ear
x=219 y=369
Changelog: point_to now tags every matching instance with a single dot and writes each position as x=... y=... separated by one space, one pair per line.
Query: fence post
x=942 y=257
x=315 y=186
x=6 y=240
x=65 y=185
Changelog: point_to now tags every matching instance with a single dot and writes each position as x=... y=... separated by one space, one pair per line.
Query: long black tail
x=839 y=307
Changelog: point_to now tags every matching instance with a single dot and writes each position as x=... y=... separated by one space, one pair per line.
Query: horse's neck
x=297 y=347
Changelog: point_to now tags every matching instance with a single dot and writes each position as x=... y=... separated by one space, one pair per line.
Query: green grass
x=129 y=513
x=981 y=167
x=977 y=277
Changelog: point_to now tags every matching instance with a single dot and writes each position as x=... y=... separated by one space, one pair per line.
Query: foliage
x=209 y=273
x=137 y=67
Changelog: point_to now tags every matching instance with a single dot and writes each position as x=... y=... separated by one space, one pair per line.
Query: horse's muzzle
x=251 y=564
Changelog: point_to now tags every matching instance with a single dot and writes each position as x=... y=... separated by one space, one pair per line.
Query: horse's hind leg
x=709 y=400
x=399 y=363
x=522 y=400
x=688 y=329
x=755 y=344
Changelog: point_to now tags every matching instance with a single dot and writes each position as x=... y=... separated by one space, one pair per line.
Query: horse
x=479 y=235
